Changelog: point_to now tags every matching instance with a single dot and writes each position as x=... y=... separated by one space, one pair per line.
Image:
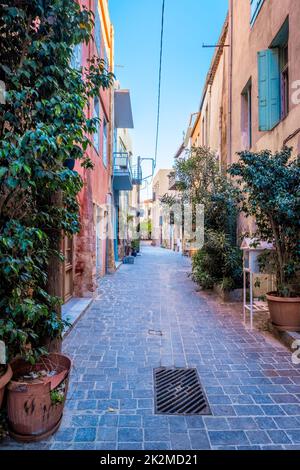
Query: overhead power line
x=159 y=80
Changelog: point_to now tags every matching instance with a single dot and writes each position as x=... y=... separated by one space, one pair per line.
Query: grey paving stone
x=218 y=438
x=130 y=421
x=85 y=420
x=156 y=434
x=107 y=433
x=194 y=422
x=85 y=435
x=273 y=410
x=83 y=446
x=106 y=445
x=294 y=435
x=65 y=435
x=248 y=410
x=287 y=422
x=155 y=422
x=214 y=423
x=180 y=441
x=157 y=445
x=242 y=423
x=86 y=405
x=266 y=422
x=59 y=446
x=130 y=446
x=254 y=447
x=177 y=424
x=108 y=420
x=130 y=435
x=258 y=437
x=199 y=440
x=279 y=437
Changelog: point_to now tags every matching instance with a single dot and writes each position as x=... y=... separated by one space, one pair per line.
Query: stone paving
x=250 y=381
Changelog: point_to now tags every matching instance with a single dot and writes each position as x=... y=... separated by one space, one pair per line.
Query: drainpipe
x=229 y=157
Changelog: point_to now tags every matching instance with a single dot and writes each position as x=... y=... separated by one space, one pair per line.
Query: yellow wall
x=108 y=31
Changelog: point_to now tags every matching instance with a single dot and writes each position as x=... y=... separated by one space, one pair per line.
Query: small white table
x=252 y=249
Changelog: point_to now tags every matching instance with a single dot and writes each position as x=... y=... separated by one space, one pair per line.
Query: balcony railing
x=137 y=175
x=122 y=172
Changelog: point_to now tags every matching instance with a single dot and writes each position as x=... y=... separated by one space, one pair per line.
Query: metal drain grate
x=178 y=391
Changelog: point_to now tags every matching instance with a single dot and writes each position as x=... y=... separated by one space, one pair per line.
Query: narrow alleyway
x=252 y=385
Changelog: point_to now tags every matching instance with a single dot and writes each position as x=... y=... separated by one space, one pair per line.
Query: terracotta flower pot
x=4 y=379
x=284 y=312
x=32 y=412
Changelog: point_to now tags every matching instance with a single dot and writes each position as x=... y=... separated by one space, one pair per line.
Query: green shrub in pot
x=270 y=190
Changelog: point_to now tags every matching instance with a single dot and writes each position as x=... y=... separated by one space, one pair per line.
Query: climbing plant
x=43 y=122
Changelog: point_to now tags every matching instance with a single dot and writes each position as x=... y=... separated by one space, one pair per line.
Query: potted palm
x=271 y=194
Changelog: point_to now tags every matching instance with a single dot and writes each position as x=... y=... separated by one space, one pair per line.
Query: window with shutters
x=255 y=9
x=273 y=81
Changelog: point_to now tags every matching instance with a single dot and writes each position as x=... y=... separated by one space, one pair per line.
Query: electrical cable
x=159 y=80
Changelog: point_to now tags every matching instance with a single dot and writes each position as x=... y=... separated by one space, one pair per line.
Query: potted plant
x=271 y=190
x=135 y=247
x=218 y=266
x=36 y=396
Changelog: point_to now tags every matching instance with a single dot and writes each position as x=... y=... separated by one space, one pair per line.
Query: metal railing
x=137 y=175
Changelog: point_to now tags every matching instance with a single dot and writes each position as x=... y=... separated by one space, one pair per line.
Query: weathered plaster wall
x=247 y=42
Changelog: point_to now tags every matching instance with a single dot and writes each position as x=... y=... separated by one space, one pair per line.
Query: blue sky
x=188 y=24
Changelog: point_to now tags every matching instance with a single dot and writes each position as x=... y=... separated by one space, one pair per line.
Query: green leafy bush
x=218 y=262
x=270 y=191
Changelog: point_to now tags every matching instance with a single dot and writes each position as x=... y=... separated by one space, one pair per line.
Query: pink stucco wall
x=96 y=187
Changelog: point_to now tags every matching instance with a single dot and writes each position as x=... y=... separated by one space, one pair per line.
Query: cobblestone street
x=250 y=381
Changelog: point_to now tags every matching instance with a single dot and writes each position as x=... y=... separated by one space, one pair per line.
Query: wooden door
x=68 y=269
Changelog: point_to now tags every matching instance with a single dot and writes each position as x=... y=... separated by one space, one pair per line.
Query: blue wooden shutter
x=268 y=89
x=263 y=90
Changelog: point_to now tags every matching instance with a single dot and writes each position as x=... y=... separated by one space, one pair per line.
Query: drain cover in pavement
x=178 y=391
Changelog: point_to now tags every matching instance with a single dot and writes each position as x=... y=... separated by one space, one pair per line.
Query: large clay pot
x=4 y=379
x=284 y=312
x=32 y=413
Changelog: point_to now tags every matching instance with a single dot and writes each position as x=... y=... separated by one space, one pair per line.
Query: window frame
x=97 y=30
x=254 y=13
x=284 y=80
x=105 y=142
x=76 y=59
x=96 y=114
x=247 y=112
